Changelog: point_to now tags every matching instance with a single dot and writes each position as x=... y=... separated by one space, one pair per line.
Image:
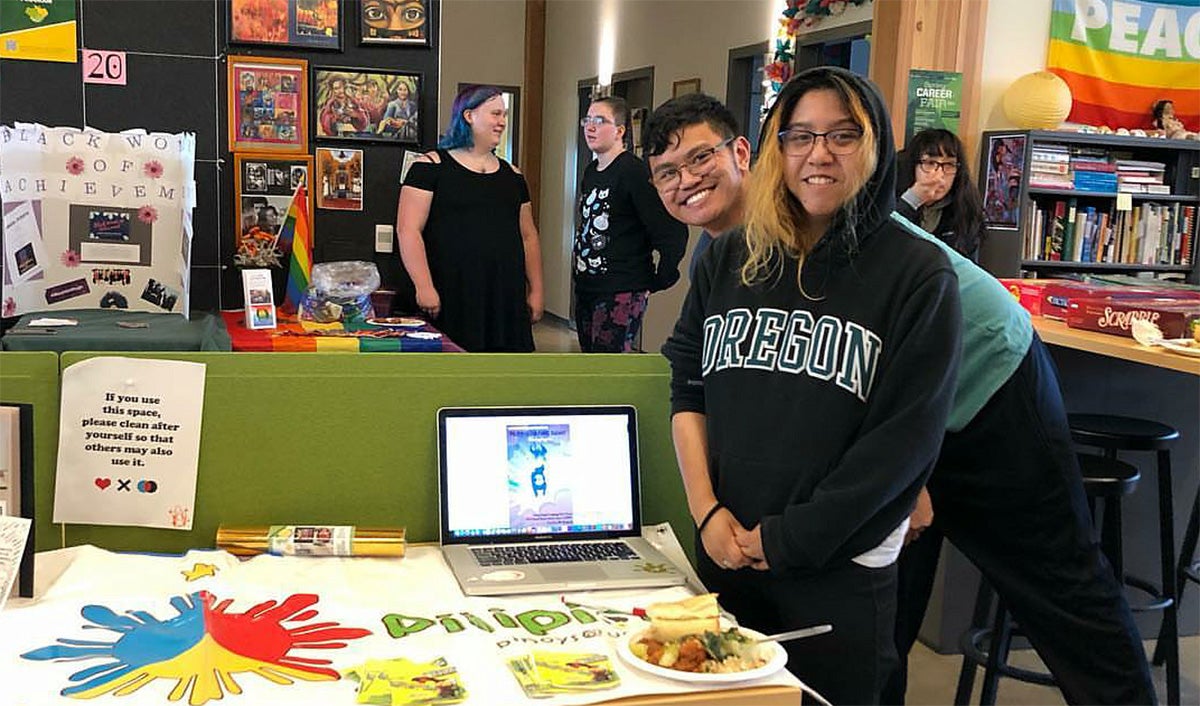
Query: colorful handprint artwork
x=201 y=648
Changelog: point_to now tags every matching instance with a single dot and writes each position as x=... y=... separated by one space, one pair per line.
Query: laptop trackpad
x=582 y=572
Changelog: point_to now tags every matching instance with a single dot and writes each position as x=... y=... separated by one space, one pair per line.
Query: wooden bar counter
x=1057 y=333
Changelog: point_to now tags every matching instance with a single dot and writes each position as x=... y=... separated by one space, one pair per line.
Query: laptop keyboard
x=553 y=553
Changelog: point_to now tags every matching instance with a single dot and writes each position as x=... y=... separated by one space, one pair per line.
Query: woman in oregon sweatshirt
x=813 y=369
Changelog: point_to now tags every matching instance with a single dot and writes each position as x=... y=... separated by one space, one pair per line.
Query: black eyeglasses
x=930 y=166
x=666 y=177
x=596 y=120
x=797 y=142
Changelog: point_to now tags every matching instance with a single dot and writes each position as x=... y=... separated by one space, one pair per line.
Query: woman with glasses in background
x=936 y=191
x=813 y=368
x=621 y=225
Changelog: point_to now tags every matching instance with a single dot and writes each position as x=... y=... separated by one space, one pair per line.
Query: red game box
x=1028 y=292
x=1115 y=316
x=1058 y=294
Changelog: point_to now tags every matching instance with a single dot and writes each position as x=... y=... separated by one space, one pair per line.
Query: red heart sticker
x=103 y=483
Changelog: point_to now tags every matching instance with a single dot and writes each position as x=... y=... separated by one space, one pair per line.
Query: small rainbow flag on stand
x=296 y=235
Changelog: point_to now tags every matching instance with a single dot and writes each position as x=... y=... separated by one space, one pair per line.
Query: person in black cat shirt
x=813 y=369
x=621 y=224
x=936 y=191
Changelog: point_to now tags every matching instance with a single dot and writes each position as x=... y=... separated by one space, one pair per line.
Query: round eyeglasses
x=930 y=166
x=596 y=120
x=666 y=177
x=797 y=142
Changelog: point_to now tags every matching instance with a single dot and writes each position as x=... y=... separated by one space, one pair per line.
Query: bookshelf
x=1061 y=202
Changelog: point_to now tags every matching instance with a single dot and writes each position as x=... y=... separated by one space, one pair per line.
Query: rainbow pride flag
x=296 y=236
x=1120 y=56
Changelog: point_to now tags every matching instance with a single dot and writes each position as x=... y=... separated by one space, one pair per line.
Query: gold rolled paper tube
x=312 y=540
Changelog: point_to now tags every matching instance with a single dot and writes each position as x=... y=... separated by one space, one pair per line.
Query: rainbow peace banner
x=296 y=235
x=1120 y=56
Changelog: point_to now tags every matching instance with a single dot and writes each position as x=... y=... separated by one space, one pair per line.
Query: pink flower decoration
x=147 y=214
x=69 y=258
x=153 y=169
x=10 y=307
x=75 y=166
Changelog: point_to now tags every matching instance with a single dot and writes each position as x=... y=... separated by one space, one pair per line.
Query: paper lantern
x=1039 y=101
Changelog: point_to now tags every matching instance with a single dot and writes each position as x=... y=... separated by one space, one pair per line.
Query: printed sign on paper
x=129 y=443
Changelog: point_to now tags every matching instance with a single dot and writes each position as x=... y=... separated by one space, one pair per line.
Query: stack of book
x=1141 y=177
x=1093 y=170
x=1050 y=167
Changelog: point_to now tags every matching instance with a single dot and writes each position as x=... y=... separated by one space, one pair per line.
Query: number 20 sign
x=104 y=66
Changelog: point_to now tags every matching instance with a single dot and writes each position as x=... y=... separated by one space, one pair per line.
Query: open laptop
x=537 y=499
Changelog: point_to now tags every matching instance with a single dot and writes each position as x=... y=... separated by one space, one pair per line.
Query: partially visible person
x=466 y=232
x=813 y=367
x=936 y=191
x=622 y=224
x=1007 y=492
x=699 y=184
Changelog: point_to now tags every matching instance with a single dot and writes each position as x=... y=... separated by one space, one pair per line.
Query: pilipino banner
x=1120 y=56
x=95 y=219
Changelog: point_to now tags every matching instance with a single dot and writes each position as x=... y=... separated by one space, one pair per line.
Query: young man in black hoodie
x=1007 y=454
x=812 y=373
x=621 y=224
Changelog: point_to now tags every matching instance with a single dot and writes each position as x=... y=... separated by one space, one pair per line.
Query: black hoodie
x=825 y=409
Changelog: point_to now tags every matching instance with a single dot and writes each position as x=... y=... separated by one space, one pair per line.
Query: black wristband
x=708 y=516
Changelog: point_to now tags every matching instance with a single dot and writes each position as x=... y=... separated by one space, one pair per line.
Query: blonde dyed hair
x=776 y=223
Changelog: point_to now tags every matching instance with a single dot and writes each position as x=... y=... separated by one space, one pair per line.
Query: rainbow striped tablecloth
x=307 y=336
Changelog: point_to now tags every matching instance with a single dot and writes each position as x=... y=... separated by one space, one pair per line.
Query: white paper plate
x=776 y=659
x=1180 y=345
x=397 y=322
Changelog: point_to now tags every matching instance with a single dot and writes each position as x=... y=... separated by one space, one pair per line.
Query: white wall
x=483 y=41
x=680 y=39
x=1016 y=41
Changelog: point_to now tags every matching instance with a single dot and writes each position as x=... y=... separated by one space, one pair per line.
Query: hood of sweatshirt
x=875 y=201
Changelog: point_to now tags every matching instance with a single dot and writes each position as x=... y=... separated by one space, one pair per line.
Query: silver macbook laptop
x=537 y=499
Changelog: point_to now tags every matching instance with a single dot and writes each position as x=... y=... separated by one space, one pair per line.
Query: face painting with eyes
x=394 y=19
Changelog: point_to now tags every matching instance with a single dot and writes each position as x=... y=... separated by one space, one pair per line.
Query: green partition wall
x=333 y=438
x=32 y=378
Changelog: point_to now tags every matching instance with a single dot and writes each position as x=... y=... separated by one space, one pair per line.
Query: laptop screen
x=516 y=474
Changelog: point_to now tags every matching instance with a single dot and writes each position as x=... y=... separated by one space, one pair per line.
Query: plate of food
x=396 y=322
x=687 y=641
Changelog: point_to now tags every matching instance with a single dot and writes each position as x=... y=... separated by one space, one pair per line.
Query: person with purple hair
x=466 y=232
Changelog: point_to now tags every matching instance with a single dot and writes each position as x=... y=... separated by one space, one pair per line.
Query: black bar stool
x=1114 y=433
x=1189 y=569
x=1103 y=479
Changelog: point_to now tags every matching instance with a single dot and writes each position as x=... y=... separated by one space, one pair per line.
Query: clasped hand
x=731 y=545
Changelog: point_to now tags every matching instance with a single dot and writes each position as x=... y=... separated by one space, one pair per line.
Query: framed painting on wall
x=339 y=180
x=263 y=186
x=302 y=24
x=397 y=22
x=1002 y=182
x=268 y=104
x=366 y=105
x=684 y=87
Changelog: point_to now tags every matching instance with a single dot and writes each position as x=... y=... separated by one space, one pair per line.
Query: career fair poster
x=934 y=101
x=94 y=219
x=129 y=443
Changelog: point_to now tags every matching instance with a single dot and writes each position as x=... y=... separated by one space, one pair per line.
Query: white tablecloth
x=111 y=618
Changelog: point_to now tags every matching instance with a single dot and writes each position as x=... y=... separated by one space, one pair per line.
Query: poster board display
x=95 y=219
